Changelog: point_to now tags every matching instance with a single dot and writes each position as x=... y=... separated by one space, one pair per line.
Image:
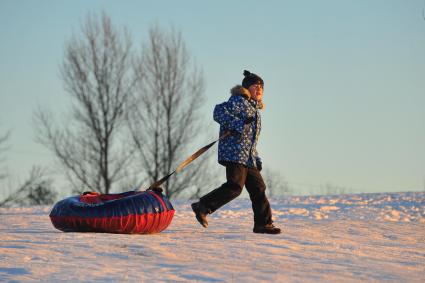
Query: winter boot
x=201 y=213
x=266 y=229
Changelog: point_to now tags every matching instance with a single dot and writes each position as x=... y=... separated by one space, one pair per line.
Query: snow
x=341 y=238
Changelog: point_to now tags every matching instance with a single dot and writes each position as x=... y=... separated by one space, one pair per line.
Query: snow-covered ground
x=367 y=237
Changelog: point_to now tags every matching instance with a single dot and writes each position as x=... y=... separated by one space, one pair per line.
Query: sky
x=344 y=80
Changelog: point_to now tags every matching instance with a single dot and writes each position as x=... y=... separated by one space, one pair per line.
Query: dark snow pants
x=239 y=176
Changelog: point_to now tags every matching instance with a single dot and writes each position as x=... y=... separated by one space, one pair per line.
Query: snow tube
x=131 y=212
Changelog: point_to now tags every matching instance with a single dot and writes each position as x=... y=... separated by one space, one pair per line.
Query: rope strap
x=182 y=165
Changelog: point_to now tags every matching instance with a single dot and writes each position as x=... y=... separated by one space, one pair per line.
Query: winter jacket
x=240 y=147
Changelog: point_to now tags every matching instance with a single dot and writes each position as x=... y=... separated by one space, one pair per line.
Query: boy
x=240 y=115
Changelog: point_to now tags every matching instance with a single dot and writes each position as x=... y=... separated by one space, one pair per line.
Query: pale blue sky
x=344 y=80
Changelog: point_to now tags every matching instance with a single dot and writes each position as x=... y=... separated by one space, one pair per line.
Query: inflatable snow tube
x=132 y=212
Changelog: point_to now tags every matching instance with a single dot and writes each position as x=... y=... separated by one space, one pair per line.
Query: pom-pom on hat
x=251 y=79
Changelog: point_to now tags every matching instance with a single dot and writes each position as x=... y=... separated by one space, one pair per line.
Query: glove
x=259 y=165
x=249 y=120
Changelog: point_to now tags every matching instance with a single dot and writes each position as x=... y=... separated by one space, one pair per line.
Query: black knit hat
x=251 y=79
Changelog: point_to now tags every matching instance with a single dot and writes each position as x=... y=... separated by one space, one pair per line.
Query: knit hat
x=251 y=79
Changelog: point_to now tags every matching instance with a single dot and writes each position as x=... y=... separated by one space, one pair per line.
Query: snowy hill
x=343 y=238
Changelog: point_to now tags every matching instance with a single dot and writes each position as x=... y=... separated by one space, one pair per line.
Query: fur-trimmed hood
x=240 y=90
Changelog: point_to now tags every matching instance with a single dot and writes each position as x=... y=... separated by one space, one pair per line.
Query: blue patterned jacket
x=240 y=147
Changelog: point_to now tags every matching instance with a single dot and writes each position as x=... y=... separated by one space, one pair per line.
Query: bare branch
x=275 y=183
x=3 y=139
x=98 y=75
x=35 y=190
x=165 y=123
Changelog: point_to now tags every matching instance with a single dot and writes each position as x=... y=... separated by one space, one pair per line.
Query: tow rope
x=182 y=165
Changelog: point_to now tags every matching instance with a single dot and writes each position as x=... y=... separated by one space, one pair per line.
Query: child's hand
x=259 y=165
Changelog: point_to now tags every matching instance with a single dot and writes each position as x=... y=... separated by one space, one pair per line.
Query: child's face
x=256 y=92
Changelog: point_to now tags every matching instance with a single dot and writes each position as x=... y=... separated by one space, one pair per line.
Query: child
x=237 y=152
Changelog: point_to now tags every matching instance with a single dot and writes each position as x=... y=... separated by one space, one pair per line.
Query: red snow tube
x=131 y=212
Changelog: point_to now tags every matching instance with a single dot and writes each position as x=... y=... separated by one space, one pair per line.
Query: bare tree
x=35 y=190
x=275 y=183
x=3 y=139
x=331 y=189
x=97 y=74
x=166 y=118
